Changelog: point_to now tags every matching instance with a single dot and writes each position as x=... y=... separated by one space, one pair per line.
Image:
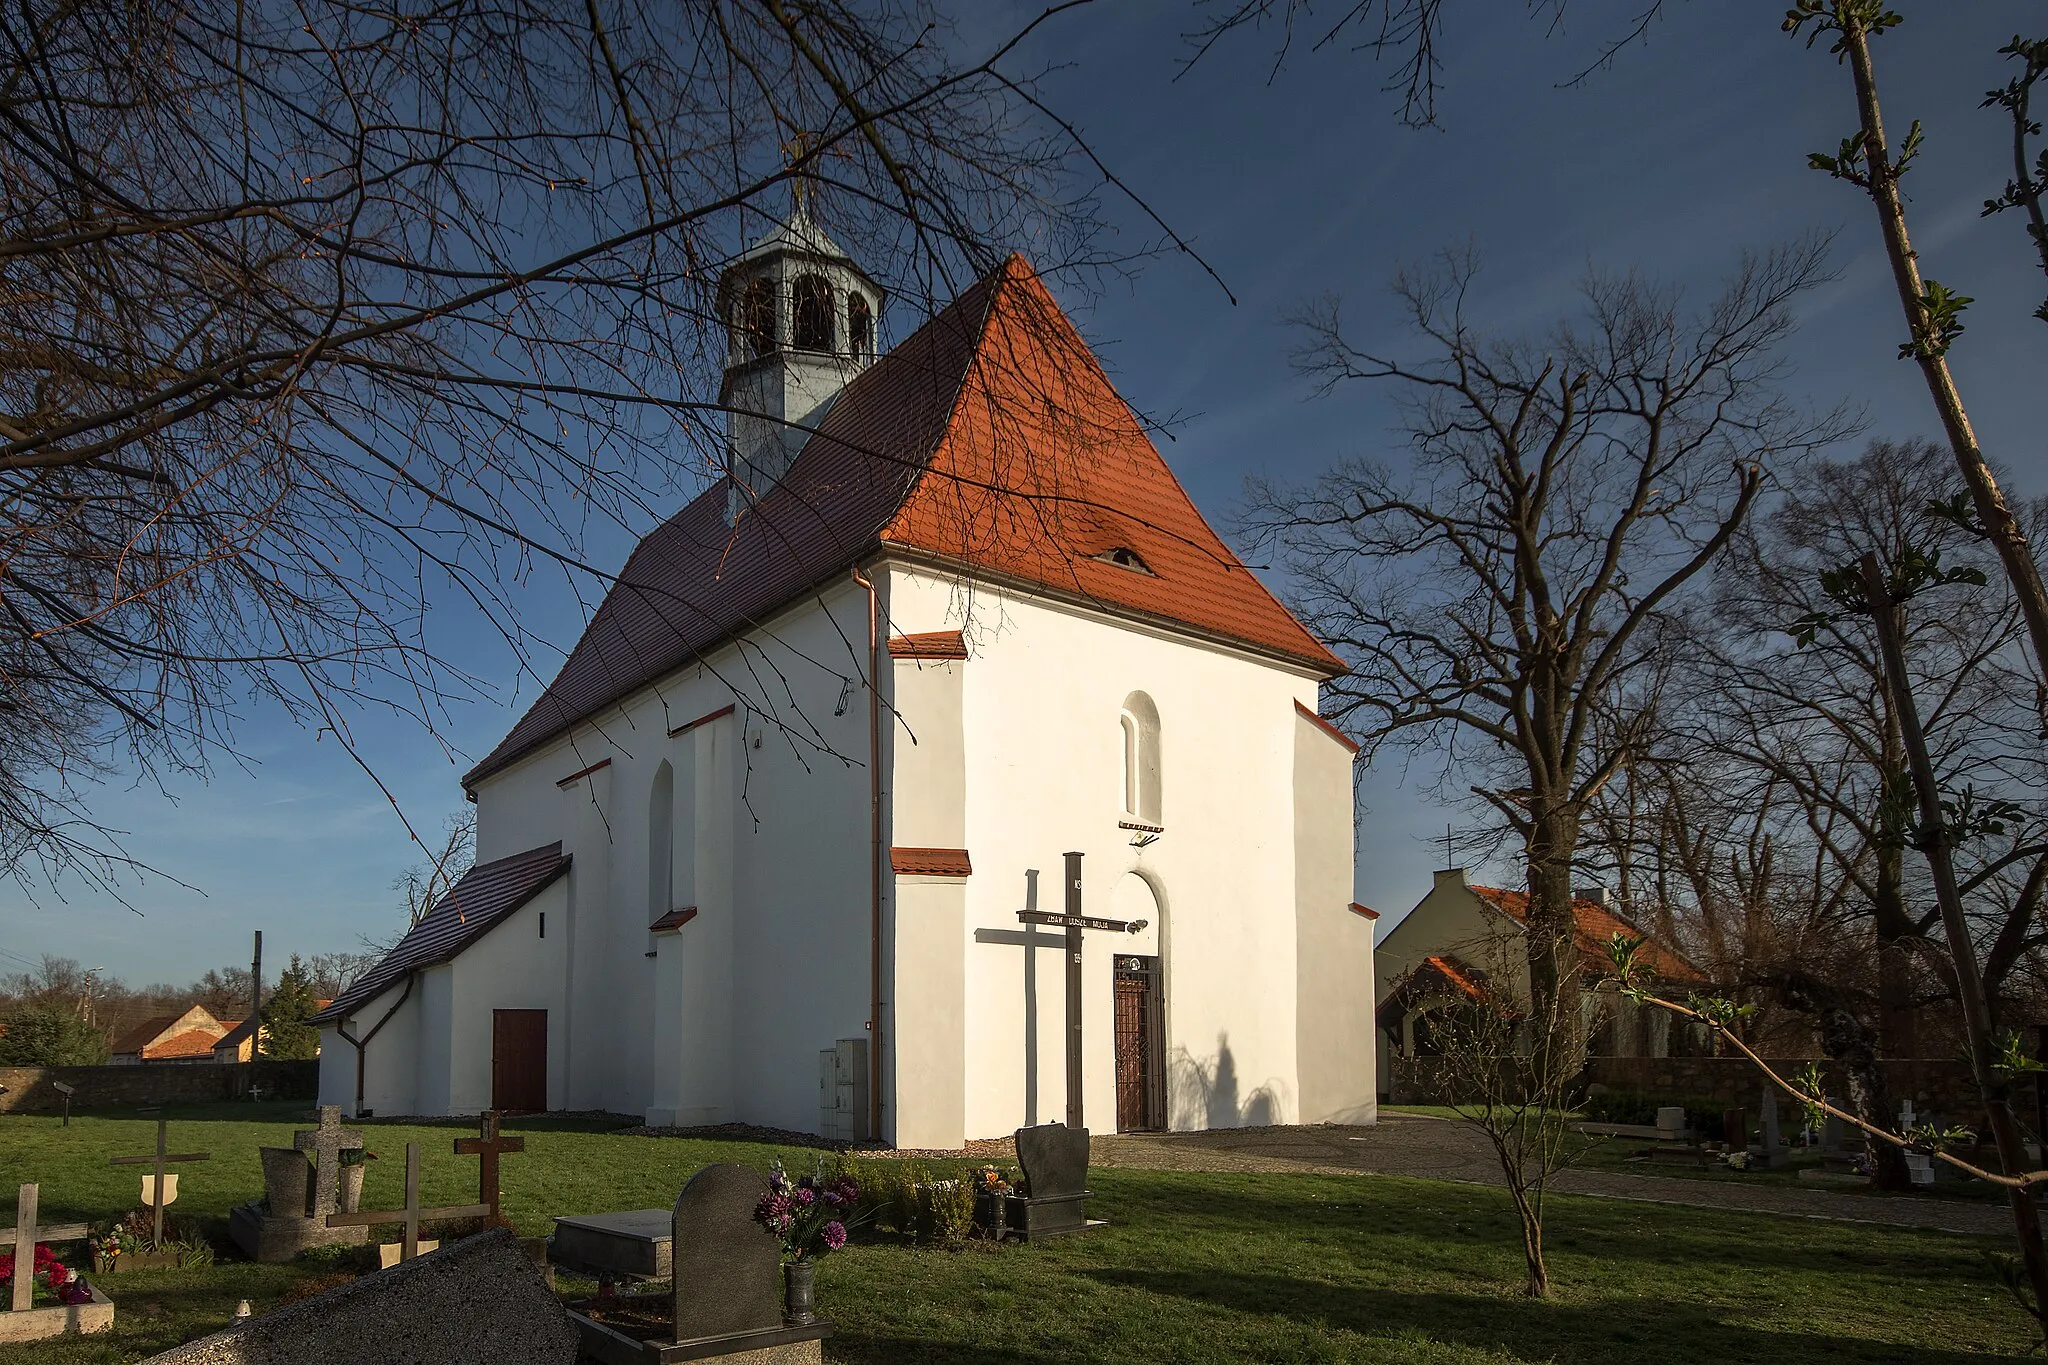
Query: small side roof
x=486 y=894
x=1593 y=925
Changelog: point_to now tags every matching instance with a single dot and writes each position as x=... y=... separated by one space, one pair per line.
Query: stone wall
x=1935 y=1085
x=28 y=1089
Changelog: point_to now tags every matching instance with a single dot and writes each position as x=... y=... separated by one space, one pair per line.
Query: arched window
x=661 y=842
x=860 y=327
x=811 y=327
x=1141 y=775
x=756 y=320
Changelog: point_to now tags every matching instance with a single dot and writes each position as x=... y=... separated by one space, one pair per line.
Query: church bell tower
x=801 y=321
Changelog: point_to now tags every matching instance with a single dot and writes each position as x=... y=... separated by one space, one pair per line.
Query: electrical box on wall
x=843 y=1091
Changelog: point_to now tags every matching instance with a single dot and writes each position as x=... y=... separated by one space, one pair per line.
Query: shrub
x=50 y=1035
x=948 y=1218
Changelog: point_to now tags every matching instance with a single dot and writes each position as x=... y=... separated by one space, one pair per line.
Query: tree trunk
x=1554 y=994
x=1934 y=842
x=2001 y=527
x=1537 y=1286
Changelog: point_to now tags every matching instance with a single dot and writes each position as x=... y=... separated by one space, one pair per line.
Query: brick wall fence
x=28 y=1089
x=1935 y=1085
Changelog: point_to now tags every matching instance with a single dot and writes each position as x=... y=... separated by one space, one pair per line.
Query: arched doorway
x=1140 y=1010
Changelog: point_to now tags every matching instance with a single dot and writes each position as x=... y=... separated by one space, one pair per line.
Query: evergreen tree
x=287 y=1037
x=49 y=1034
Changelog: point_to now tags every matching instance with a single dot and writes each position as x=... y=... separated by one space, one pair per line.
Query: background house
x=188 y=1037
x=1462 y=942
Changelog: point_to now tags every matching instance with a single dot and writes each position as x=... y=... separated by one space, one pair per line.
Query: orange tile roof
x=990 y=442
x=932 y=644
x=192 y=1042
x=930 y=862
x=1594 y=924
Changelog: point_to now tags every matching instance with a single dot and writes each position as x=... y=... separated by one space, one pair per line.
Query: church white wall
x=390 y=1064
x=434 y=999
x=1333 y=943
x=510 y=968
x=725 y=1020
x=1041 y=698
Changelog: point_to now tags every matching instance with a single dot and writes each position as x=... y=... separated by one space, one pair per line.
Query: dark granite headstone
x=1055 y=1162
x=728 y=1268
x=480 y=1301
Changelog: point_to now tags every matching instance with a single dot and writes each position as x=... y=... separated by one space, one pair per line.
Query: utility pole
x=256 y=1001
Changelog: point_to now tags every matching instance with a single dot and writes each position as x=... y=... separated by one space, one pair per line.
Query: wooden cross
x=1074 y=922
x=412 y=1215
x=26 y=1234
x=489 y=1145
x=160 y=1160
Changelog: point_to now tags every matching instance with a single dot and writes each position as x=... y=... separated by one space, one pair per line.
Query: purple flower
x=805 y=1197
x=834 y=1234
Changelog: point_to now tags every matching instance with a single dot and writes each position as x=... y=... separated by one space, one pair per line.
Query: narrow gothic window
x=1141 y=775
x=812 y=325
x=860 y=326
x=757 y=317
x=661 y=827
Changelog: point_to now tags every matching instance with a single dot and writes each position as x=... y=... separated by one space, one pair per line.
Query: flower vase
x=799 y=1294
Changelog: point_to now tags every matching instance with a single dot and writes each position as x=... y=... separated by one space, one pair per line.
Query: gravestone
x=727 y=1296
x=298 y=1197
x=1671 y=1123
x=160 y=1188
x=479 y=1301
x=22 y=1320
x=1773 y=1140
x=1054 y=1159
x=634 y=1245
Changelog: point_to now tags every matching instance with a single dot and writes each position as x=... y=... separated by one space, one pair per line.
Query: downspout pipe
x=874 y=858
x=341 y=1031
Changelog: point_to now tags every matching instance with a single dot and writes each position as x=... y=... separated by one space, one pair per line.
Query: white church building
x=757 y=855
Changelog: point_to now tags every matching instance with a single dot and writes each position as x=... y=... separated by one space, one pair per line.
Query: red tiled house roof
x=1433 y=976
x=485 y=895
x=989 y=441
x=1593 y=924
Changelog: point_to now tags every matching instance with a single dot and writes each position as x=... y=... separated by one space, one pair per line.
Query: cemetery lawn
x=1193 y=1267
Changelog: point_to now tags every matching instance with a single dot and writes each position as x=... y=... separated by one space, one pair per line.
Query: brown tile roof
x=144 y=1033
x=1365 y=910
x=933 y=644
x=989 y=439
x=930 y=862
x=674 y=919
x=1593 y=925
x=1347 y=741
x=486 y=894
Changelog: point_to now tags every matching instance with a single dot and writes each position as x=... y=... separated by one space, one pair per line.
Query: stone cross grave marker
x=728 y=1278
x=159 y=1190
x=489 y=1144
x=412 y=1215
x=25 y=1234
x=326 y=1143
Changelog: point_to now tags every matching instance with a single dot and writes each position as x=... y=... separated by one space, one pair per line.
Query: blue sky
x=1691 y=148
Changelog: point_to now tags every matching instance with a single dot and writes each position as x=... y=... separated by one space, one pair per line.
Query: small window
x=1124 y=557
x=812 y=324
x=860 y=327
x=756 y=321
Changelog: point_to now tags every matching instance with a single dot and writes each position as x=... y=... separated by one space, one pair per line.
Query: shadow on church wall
x=1203 y=1093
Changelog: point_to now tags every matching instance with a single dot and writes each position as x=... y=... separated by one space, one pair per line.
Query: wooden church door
x=1140 y=1054
x=519 y=1061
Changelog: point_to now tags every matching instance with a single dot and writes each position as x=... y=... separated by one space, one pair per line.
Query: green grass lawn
x=1194 y=1267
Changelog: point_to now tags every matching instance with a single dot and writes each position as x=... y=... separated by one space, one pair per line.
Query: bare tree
x=1497 y=603
x=423 y=884
x=314 y=319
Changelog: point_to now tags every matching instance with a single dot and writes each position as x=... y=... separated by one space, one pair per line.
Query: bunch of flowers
x=989 y=1180
x=61 y=1279
x=120 y=1240
x=811 y=1215
x=1736 y=1161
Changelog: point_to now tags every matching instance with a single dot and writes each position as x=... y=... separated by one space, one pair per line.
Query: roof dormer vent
x=1124 y=557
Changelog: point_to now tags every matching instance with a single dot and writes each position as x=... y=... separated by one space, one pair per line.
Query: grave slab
x=480 y=1301
x=637 y=1243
